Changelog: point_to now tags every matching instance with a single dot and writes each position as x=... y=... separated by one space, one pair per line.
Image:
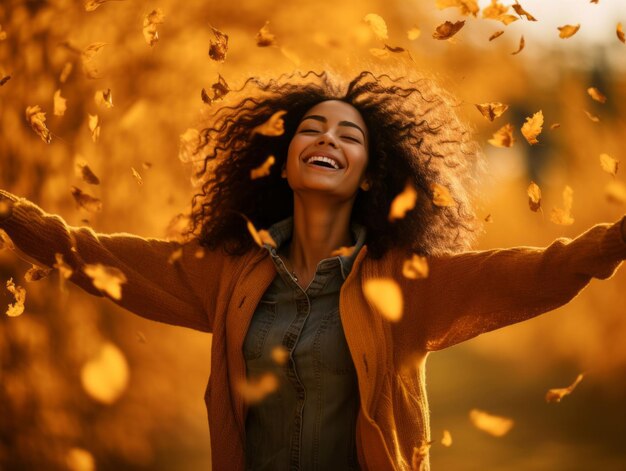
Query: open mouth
x=323 y=162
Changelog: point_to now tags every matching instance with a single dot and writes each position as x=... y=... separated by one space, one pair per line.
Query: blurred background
x=85 y=385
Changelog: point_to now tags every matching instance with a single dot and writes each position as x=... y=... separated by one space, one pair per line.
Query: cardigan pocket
x=260 y=325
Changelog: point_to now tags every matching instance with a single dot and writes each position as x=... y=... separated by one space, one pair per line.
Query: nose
x=327 y=138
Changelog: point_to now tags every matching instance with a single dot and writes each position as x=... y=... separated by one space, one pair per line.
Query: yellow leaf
x=534 y=196
x=254 y=390
x=274 y=126
x=413 y=33
x=448 y=29
x=441 y=196
x=403 y=202
x=104 y=98
x=466 y=7
x=17 y=308
x=342 y=252
x=415 y=268
x=85 y=201
x=105 y=377
x=36 y=273
x=150 y=23
x=520 y=48
x=532 y=127
x=620 y=33
x=280 y=355
x=37 y=120
x=495 y=10
x=385 y=295
x=521 y=12
x=219 y=46
x=60 y=104
x=94 y=127
x=447 y=438
x=507 y=19
x=492 y=424
x=503 y=137
x=563 y=216
x=260 y=237
x=567 y=31
x=377 y=25
x=263 y=170
x=492 y=110
x=107 y=279
x=78 y=459
x=264 y=38
x=556 y=394
x=609 y=164
x=615 y=192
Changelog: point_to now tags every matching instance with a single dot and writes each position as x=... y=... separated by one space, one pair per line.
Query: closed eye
x=350 y=138
x=308 y=130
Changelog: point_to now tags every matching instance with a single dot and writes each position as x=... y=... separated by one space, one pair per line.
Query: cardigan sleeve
x=474 y=292
x=177 y=289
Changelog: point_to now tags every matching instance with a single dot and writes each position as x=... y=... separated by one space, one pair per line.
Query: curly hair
x=414 y=134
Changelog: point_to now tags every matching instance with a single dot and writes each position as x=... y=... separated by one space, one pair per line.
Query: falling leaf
x=534 y=196
x=592 y=117
x=37 y=120
x=136 y=176
x=447 y=438
x=36 y=273
x=84 y=172
x=264 y=38
x=107 y=279
x=175 y=256
x=567 y=31
x=94 y=127
x=87 y=57
x=532 y=127
x=219 y=46
x=563 y=216
x=521 y=12
x=493 y=110
x=419 y=459
x=556 y=394
x=104 y=98
x=492 y=424
x=260 y=237
x=495 y=10
x=609 y=164
x=59 y=104
x=522 y=43
x=620 y=33
x=280 y=355
x=596 y=95
x=441 y=196
x=495 y=35
x=150 y=23
x=343 y=252
x=86 y=201
x=65 y=72
x=17 y=308
x=403 y=202
x=488 y=218
x=220 y=88
x=200 y=252
x=377 y=25
x=4 y=79
x=554 y=126
x=503 y=137
x=105 y=377
x=263 y=170
x=256 y=389
x=274 y=126
x=448 y=29
x=415 y=268
x=78 y=459
x=466 y=7
x=508 y=19
x=385 y=295
x=146 y=165
x=91 y=5
x=413 y=33
x=615 y=192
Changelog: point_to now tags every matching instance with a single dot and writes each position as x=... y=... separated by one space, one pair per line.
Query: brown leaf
x=521 y=12
x=534 y=196
x=522 y=43
x=218 y=47
x=220 y=89
x=94 y=127
x=495 y=10
x=609 y=164
x=83 y=170
x=448 y=29
x=556 y=394
x=492 y=110
x=494 y=425
x=65 y=72
x=60 y=104
x=403 y=202
x=274 y=126
x=563 y=216
x=441 y=196
x=263 y=170
x=503 y=137
x=554 y=126
x=620 y=33
x=36 y=273
x=4 y=79
x=37 y=120
x=150 y=23
x=104 y=98
x=495 y=35
x=86 y=201
x=532 y=127
x=615 y=192
x=264 y=38
x=415 y=268
x=377 y=25
x=17 y=308
x=567 y=31
x=385 y=295
x=488 y=218
x=106 y=279
x=592 y=117
x=466 y=7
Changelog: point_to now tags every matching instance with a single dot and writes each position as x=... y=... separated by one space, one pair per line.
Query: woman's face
x=329 y=151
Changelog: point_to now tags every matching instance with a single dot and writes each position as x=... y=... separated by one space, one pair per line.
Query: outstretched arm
x=182 y=292
x=475 y=292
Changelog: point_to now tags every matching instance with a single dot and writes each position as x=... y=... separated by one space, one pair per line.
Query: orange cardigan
x=464 y=295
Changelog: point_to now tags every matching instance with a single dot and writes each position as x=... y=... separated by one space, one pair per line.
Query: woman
x=347 y=387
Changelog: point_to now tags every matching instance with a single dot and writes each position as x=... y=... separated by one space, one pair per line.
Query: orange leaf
x=592 y=117
x=104 y=98
x=532 y=127
x=219 y=47
x=503 y=137
x=60 y=104
x=492 y=110
x=280 y=355
x=447 y=438
x=556 y=394
x=448 y=29
x=495 y=35
x=263 y=170
x=563 y=216
x=377 y=25
x=522 y=43
x=106 y=279
x=534 y=196
x=441 y=196
x=596 y=95
x=415 y=268
x=492 y=424
x=150 y=23
x=254 y=390
x=17 y=308
x=37 y=120
x=521 y=12
x=264 y=38
x=274 y=126
x=466 y=7
x=105 y=377
x=36 y=273
x=620 y=33
x=260 y=237
x=403 y=202
x=495 y=10
x=385 y=295
x=413 y=33
x=567 y=31
x=609 y=164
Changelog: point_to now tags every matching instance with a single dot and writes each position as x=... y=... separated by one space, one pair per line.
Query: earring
x=365 y=186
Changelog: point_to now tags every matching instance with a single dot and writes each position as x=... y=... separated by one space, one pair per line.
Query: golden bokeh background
x=85 y=385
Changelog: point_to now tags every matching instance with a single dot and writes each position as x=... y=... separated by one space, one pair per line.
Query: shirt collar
x=282 y=231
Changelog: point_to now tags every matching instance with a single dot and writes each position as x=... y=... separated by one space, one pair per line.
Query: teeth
x=320 y=158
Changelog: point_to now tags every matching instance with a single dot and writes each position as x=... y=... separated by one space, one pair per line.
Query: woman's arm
x=475 y=292
x=179 y=292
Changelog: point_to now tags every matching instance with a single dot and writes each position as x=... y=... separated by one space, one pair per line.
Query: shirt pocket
x=260 y=325
x=330 y=347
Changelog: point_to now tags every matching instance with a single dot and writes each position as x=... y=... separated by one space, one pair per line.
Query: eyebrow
x=341 y=123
